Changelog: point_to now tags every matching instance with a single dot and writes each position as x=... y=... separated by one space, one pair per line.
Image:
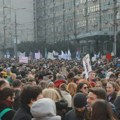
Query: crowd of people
x=59 y=90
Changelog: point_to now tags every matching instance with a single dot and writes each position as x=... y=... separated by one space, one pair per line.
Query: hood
x=57 y=83
x=44 y=107
x=48 y=118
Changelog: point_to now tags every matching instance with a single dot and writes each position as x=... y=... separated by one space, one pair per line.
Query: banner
x=87 y=65
x=50 y=56
x=37 y=55
x=23 y=60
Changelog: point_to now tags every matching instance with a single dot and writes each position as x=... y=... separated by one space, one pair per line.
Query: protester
x=50 y=85
x=78 y=112
x=6 y=103
x=83 y=88
x=59 y=80
x=72 y=87
x=43 y=84
x=101 y=110
x=44 y=109
x=66 y=95
x=17 y=86
x=28 y=96
x=99 y=84
x=112 y=90
x=3 y=84
x=95 y=94
x=91 y=78
x=61 y=104
x=117 y=105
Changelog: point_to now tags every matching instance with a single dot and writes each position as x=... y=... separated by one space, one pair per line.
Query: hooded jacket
x=44 y=109
x=23 y=113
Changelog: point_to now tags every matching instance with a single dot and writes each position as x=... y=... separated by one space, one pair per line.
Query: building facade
x=16 y=23
x=91 y=23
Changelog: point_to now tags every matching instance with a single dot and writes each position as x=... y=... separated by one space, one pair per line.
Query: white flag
x=87 y=65
x=69 y=55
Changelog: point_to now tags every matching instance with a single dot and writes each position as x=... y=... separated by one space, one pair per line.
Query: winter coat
x=23 y=113
x=111 y=98
x=62 y=108
x=8 y=115
x=117 y=106
x=67 y=97
x=71 y=115
x=44 y=109
x=16 y=103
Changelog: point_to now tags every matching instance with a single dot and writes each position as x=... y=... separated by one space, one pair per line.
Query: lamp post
x=54 y=21
x=4 y=47
x=16 y=36
x=115 y=27
x=74 y=16
x=16 y=40
x=64 y=20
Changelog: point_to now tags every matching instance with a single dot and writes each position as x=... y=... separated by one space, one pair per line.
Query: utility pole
x=75 y=19
x=16 y=41
x=16 y=36
x=35 y=21
x=45 y=21
x=86 y=14
x=54 y=21
x=4 y=46
x=63 y=20
x=115 y=26
x=100 y=17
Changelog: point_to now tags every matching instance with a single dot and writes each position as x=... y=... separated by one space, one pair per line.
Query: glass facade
x=84 y=21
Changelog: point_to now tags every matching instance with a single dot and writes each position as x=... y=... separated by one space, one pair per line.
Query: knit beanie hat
x=79 y=100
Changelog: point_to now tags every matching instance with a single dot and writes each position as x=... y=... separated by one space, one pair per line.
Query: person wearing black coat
x=28 y=96
x=79 y=110
x=62 y=108
x=23 y=113
x=111 y=98
x=117 y=106
x=17 y=85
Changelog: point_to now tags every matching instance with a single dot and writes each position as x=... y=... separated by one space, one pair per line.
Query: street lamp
x=4 y=48
x=16 y=40
x=115 y=27
x=16 y=37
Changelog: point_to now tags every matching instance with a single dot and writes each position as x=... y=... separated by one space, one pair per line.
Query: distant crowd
x=59 y=90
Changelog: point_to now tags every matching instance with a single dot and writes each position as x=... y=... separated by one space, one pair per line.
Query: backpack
x=3 y=112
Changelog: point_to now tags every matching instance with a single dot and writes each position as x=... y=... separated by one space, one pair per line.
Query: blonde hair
x=72 y=87
x=51 y=93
